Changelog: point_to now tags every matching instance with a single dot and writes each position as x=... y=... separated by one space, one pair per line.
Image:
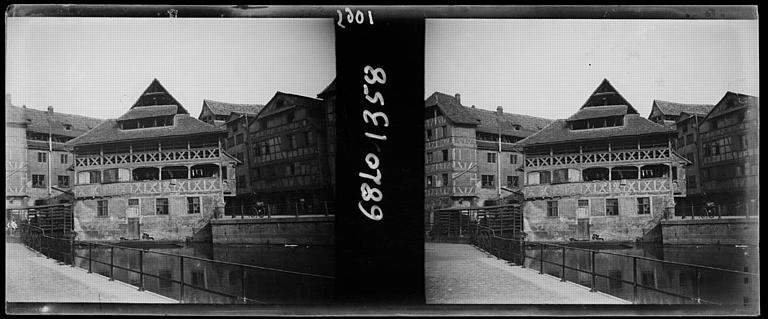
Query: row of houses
x=605 y=170
x=158 y=170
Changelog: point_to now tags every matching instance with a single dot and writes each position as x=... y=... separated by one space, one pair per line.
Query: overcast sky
x=99 y=66
x=548 y=68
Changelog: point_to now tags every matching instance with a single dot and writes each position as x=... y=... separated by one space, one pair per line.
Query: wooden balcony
x=154 y=188
x=614 y=157
x=660 y=186
x=165 y=157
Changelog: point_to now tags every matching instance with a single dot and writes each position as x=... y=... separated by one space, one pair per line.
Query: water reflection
x=618 y=275
x=261 y=285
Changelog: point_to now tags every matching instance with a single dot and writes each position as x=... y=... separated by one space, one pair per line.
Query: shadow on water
x=262 y=285
x=618 y=277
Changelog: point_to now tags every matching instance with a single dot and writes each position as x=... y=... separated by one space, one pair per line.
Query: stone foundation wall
x=298 y=231
x=726 y=231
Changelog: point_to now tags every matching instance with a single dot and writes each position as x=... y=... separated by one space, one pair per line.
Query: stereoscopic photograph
x=591 y=162
x=170 y=160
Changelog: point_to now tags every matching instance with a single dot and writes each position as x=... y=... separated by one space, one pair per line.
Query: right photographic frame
x=592 y=161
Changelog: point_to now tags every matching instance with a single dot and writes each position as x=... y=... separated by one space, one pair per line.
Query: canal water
x=711 y=286
x=264 y=286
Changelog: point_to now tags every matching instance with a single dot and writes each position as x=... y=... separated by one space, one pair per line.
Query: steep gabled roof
x=37 y=121
x=109 y=131
x=605 y=94
x=145 y=112
x=732 y=101
x=672 y=108
x=559 y=131
x=509 y=121
x=452 y=109
x=283 y=101
x=156 y=94
x=223 y=108
x=598 y=112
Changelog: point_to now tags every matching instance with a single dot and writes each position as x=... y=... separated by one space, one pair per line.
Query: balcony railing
x=195 y=185
x=619 y=156
x=650 y=185
x=147 y=157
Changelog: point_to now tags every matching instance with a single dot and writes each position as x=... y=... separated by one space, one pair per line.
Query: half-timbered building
x=155 y=170
x=605 y=170
x=730 y=145
x=471 y=159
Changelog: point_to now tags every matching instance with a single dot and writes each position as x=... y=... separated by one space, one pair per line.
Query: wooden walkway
x=462 y=274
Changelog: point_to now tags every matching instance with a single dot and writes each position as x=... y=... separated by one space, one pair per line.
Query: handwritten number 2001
x=356 y=17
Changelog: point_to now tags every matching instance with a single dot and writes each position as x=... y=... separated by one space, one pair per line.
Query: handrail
x=634 y=282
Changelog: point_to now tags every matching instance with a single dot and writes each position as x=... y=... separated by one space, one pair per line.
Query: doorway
x=133 y=228
x=583 y=228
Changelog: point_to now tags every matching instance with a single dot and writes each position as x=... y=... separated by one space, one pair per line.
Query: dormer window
x=67 y=127
x=610 y=121
x=148 y=122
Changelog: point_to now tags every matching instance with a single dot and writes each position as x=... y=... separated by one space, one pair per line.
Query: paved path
x=463 y=274
x=29 y=278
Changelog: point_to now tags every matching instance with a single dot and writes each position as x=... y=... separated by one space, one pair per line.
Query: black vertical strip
x=380 y=262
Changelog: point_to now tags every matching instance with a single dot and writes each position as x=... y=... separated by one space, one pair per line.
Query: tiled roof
x=109 y=131
x=605 y=94
x=558 y=131
x=287 y=101
x=672 y=108
x=732 y=101
x=452 y=108
x=144 y=112
x=598 y=111
x=331 y=88
x=223 y=108
x=155 y=95
x=37 y=121
x=43 y=145
x=489 y=124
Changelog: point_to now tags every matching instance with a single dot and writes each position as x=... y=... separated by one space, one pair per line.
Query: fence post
x=39 y=243
x=181 y=284
x=297 y=210
x=522 y=251
x=242 y=213
x=72 y=251
x=90 y=253
x=242 y=283
x=634 y=280
x=592 y=265
x=325 y=204
x=112 y=263
x=562 y=274
x=541 y=258
x=698 y=286
x=141 y=270
x=269 y=213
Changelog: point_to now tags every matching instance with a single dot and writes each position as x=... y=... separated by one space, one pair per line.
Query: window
x=38 y=181
x=133 y=202
x=63 y=181
x=231 y=141
x=445 y=180
x=429 y=157
x=487 y=181
x=110 y=175
x=513 y=158
x=238 y=138
x=739 y=169
x=64 y=158
x=643 y=205
x=292 y=143
x=512 y=181
x=429 y=181
x=739 y=142
x=193 y=205
x=707 y=150
x=429 y=134
x=42 y=157
x=560 y=176
x=161 y=206
x=689 y=139
x=445 y=155
x=551 y=208
x=685 y=128
x=611 y=207
x=102 y=209
x=583 y=203
x=445 y=131
x=545 y=177
x=491 y=157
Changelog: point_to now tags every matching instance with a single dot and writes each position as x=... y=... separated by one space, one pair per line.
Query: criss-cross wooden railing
x=147 y=157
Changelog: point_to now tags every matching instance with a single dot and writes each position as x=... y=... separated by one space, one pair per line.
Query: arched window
x=175 y=172
x=624 y=172
x=205 y=170
x=595 y=174
x=146 y=174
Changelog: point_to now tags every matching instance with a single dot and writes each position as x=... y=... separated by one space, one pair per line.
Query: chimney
x=50 y=109
x=499 y=109
x=458 y=97
x=473 y=106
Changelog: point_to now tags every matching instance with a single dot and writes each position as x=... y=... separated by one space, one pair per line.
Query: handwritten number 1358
x=356 y=17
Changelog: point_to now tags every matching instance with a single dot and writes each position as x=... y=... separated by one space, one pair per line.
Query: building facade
x=39 y=173
x=730 y=146
x=604 y=171
x=471 y=159
x=290 y=170
x=155 y=170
